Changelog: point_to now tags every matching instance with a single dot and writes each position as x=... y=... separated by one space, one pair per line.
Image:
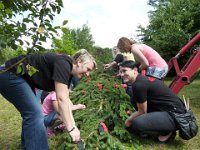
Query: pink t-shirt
x=47 y=105
x=153 y=57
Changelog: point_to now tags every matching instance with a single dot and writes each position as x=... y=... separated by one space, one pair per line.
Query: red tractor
x=190 y=70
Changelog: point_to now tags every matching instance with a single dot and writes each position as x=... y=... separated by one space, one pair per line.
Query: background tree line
x=172 y=24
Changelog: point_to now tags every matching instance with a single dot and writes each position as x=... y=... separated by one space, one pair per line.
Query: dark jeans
x=153 y=123
x=18 y=92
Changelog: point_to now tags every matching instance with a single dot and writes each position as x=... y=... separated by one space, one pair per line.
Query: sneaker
x=50 y=132
x=55 y=123
x=60 y=127
x=170 y=138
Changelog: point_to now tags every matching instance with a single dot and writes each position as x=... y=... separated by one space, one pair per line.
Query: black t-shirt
x=51 y=67
x=158 y=96
x=119 y=58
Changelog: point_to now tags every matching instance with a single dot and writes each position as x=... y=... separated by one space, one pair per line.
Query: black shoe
x=171 y=137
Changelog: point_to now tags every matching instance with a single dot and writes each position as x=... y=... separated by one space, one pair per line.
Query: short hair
x=129 y=64
x=84 y=56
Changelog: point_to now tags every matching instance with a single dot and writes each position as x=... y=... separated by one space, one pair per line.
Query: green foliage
x=65 y=44
x=102 y=55
x=8 y=53
x=82 y=38
x=19 y=51
x=172 y=25
x=12 y=30
x=10 y=125
x=106 y=104
x=19 y=69
x=73 y=40
x=31 y=70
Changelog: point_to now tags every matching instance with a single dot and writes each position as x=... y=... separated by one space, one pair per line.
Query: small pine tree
x=106 y=101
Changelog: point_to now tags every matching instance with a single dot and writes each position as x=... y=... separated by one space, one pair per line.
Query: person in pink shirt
x=51 y=112
x=149 y=59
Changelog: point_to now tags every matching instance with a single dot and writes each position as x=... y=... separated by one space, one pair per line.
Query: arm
x=74 y=107
x=142 y=108
x=119 y=58
x=64 y=108
x=136 y=50
x=78 y=106
x=107 y=66
x=55 y=106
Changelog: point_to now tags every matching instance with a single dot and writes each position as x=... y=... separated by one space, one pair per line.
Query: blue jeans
x=38 y=93
x=49 y=118
x=18 y=92
x=156 y=72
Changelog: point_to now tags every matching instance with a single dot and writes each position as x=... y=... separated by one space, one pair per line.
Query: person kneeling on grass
x=52 y=118
x=154 y=101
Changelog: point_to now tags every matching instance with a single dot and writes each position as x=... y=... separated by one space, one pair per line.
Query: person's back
x=150 y=61
x=152 y=56
x=44 y=65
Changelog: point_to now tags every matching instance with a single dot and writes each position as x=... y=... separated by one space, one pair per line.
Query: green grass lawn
x=10 y=126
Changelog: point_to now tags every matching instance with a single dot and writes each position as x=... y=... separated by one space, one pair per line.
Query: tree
x=103 y=55
x=73 y=40
x=65 y=44
x=172 y=24
x=12 y=31
x=82 y=38
x=8 y=53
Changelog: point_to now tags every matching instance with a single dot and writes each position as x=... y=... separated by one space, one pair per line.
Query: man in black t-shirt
x=154 y=100
x=48 y=72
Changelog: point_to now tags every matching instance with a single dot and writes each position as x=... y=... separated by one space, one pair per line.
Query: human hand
x=75 y=135
x=81 y=106
x=128 y=123
x=106 y=66
x=78 y=106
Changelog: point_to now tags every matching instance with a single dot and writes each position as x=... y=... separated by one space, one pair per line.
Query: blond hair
x=115 y=51
x=84 y=56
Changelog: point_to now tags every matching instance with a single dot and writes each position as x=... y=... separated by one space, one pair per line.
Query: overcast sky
x=108 y=19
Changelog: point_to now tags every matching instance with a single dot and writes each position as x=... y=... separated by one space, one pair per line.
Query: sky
x=108 y=20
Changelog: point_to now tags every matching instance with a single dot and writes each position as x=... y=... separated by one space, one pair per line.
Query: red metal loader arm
x=189 y=70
